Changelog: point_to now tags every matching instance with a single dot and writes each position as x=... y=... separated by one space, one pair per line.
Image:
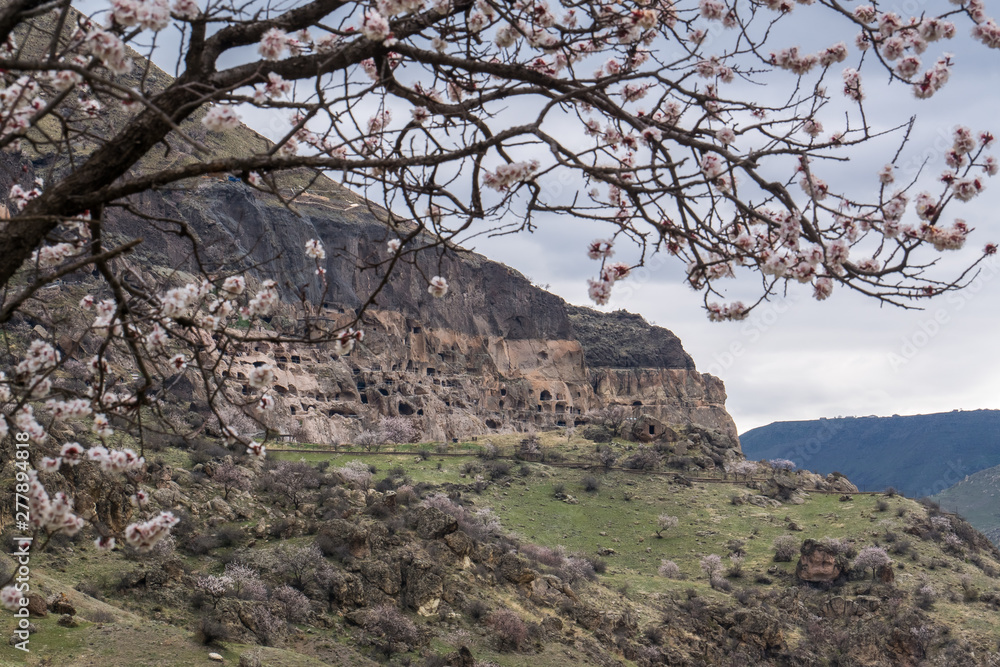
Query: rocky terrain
x=467 y=557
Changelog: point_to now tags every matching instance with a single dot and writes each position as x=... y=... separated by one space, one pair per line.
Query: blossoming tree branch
x=457 y=116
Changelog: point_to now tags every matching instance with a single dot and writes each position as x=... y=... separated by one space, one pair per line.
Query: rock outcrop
x=496 y=354
x=818 y=563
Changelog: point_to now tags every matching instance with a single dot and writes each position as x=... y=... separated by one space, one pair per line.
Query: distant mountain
x=920 y=455
x=977 y=499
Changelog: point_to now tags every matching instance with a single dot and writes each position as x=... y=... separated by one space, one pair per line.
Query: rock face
x=817 y=563
x=496 y=354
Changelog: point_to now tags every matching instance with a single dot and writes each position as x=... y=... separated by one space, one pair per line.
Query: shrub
x=901 y=547
x=294 y=603
x=575 y=569
x=558 y=489
x=785 y=548
x=720 y=584
x=669 y=569
x=644 y=459
x=665 y=522
x=230 y=535
x=210 y=631
x=497 y=470
x=969 y=591
x=871 y=558
x=357 y=473
x=711 y=565
x=478 y=610
x=597 y=433
x=925 y=596
x=590 y=484
x=388 y=625
x=881 y=505
x=510 y=631
x=735 y=567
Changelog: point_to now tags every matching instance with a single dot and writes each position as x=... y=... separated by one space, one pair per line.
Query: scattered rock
x=216 y=657
x=61 y=605
x=37 y=605
x=221 y=508
x=68 y=621
x=846 y=498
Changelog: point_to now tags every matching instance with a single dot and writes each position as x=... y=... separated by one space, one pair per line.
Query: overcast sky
x=796 y=358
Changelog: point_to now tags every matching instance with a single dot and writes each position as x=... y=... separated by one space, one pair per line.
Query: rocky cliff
x=496 y=354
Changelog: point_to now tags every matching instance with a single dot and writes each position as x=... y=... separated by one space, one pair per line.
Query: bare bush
x=785 y=548
x=510 y=632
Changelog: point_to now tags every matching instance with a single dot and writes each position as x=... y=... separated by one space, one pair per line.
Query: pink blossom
x=599 y=291
x=143 y=536
x=600 y=249
x=508 y=174
x=273 y=44
x=12 y=599
x=261 y=377
x=375 y=26
x=315 y=250
x=438 y=287
x=186 y=9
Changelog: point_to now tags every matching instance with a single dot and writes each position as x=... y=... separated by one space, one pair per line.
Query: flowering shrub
x=669 y=569
x=871 y=558
x=711 y=565
x=509 y=630
x=665 y=522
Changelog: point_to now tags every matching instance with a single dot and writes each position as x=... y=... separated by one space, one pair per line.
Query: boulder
x=68 y=621
x=460 y=543
x=817 y=563
x=216 y=657
x=515 y=569
x=60 y=604
x=221 y=508
x=433 y=524
x=37 y=605
x=380 y=575
x=422 y=587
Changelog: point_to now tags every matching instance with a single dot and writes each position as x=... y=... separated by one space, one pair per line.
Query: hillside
x=484 y=560
x=920 y=455
x=977 y=499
